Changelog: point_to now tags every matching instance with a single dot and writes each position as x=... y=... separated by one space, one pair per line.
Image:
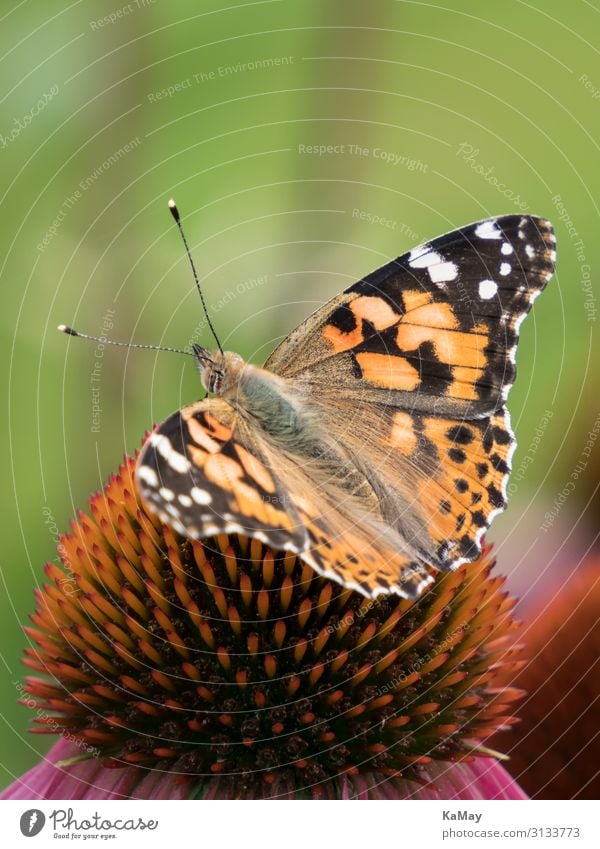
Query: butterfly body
x=375 y=441
x=277 y=406
x=282 y=415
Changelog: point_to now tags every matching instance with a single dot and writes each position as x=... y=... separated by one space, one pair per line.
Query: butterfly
x=374 y=443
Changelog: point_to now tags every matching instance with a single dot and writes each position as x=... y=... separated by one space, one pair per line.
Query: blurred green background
x=430 y=117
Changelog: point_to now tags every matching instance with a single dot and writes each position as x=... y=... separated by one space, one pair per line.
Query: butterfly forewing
x=437 y=328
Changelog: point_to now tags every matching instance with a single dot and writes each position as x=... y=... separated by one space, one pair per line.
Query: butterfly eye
x=215 y=380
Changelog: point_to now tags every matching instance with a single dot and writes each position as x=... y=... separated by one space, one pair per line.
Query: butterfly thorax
x=278 y=406
x=281 y=411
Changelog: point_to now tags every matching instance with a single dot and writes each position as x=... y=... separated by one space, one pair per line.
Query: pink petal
x=481 y=778
x=90 y=780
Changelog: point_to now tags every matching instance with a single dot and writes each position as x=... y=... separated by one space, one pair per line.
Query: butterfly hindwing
x=202 y=478
x=462 y=485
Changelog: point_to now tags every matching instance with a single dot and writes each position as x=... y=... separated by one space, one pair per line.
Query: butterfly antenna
x=71 y=332
x=177 y=217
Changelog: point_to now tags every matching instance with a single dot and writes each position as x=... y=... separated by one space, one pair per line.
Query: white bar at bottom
x=302 y=824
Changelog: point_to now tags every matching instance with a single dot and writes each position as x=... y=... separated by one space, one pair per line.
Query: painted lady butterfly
x=374 y=442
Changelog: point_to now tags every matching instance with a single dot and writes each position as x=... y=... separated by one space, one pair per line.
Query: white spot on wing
x=200 y=496
x=505 y=268
x=423 y=257
x=163 y=446
x=185 y=500
x=488 y=230
x=443 y=272
x=487 y=289
x=507 y=248
x=166 y=494
x=529 y=251
x=147 y=475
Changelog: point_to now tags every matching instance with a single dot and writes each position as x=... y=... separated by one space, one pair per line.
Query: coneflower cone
x=225 y=669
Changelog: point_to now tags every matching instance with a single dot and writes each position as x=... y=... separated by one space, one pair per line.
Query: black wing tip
x=533 y=238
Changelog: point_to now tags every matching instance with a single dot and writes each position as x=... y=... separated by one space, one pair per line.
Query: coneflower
x=555 y=747
x=226 y=669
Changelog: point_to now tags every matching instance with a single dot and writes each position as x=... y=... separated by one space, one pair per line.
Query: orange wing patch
x=389 y=372
x=466 y=488
x=202 y=437
x=425 y=348
x=452 y=346
x=357 y=560
x=464 y=352
x=415 y=298
x=403 y=436
x=372 y=309
x=255 y=469
x=200 y=478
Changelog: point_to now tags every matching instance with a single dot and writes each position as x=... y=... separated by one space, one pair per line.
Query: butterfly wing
x=436 y=329
x=205 y=472
x=196 y=476
x=441 y=480
x=410 y=368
